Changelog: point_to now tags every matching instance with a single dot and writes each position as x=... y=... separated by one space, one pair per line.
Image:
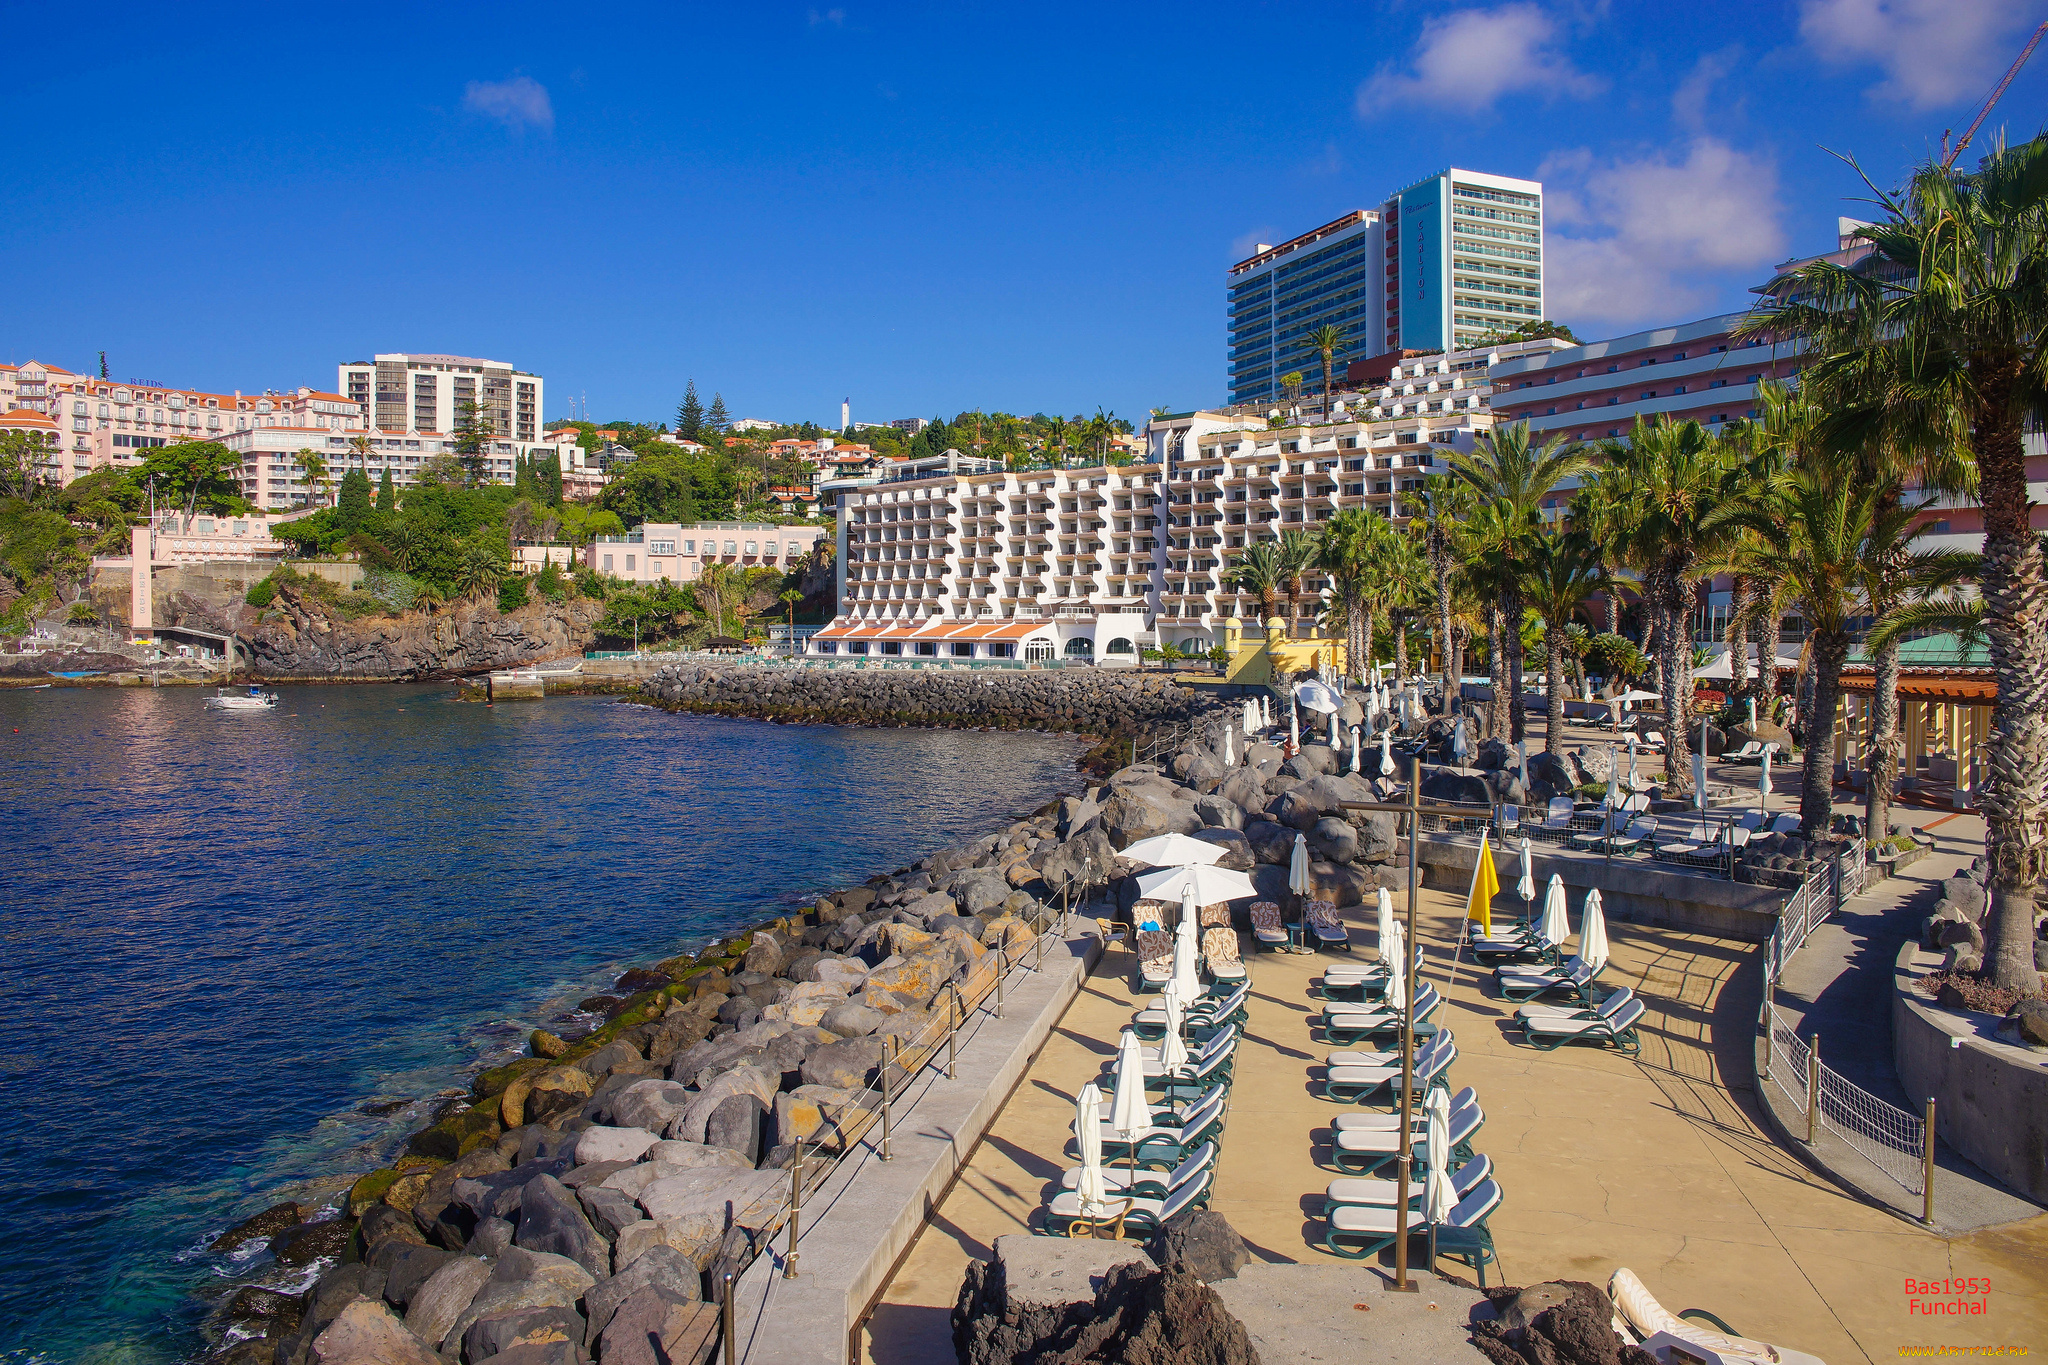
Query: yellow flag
x=1485 y=886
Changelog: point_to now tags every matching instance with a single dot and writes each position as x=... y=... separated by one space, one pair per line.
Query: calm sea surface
x=226 y=934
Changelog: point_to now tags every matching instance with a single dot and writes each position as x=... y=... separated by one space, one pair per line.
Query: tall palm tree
x=1350 y=547
x=1504 y=470
x=1057 y=430
x=1414 y=592
x=1681 y=487
x=1942 y=330
x=1297 y=556
x=1839 y=546
x=1327 y=340
x=1444 y=497
x=1563 y=572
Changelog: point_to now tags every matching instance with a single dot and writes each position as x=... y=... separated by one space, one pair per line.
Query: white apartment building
x=983 y=563
x=653 y=551
x=428 y=394
x=1232 y=478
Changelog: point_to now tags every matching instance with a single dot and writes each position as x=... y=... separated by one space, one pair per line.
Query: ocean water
x=231 y=939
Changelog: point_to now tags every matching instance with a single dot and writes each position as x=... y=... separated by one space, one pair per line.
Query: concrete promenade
x=1662 y=1163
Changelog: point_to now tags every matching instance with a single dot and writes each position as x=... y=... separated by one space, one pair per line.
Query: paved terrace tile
x=1659 y=1163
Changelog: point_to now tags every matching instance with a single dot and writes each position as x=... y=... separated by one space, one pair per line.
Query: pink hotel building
x=90 y=423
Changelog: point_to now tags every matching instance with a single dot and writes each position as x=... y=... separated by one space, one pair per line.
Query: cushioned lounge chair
x=1519 y=984
x=1155 y=959
x=1656 y=1329
x=1326 y=926
x=1267 y=926
x=1549 y=1032
x=1374 y=1192
x=1149 y=1184
x=1358 y=1231
x=1358 y=1084
x=1220 y=955
x=1364 y=1151
x=1574 y=1010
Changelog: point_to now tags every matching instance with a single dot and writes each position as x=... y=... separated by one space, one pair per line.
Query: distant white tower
x=845 y=413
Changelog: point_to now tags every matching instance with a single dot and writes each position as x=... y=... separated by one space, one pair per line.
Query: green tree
x=195 y=474
x=1326 y=340
x=789 y=597
x=715 y=418
x=1562 y=572
x=1261 y=572
x=482 y=568
x=690 y=414
x=473 y=432
x=1297 y=557
x=22 y=454
x=352 y=506
x=387 y=496
x=314 y=465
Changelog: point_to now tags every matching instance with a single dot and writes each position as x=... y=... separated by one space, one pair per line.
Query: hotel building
x=430 y=394
x=653 y=551
x=1441 y=265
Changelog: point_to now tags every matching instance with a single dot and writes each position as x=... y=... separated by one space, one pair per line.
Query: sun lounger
x=1752 y=752
x=1326 y=925
x=1357 y=1084
x=1532 y=946
x=1556 y=824
x=1365 y=1150
x=1204 y=1017
x=1548 y=1032
x=1518 y=984
x=1165 y=1145
x=1267 y=926
x=1358 y=1231
x=1220 y=955
x=1388 y=1123
x=1155 y=959
x=1344 y=1024
x=1222 y=1043
x=1149 y=1184
x=1372 y=1192
x=1577 y=1011
x=1786 y=824
x=1656 y=1328
x=1126 y=1215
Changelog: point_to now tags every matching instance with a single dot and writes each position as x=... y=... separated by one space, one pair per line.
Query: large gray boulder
x=736 y=1125
x=1238 y=855
x=1217 y=812
x=846 y=1065
x=1378 y=837
x=367 y=1333
x=647 y=1104
x=1201 y=1242
x=523 y=1279
x=551 y=1220
x=1333 y=839
x=599 y=1143
x=1293 y=810
x=439 y=1304
x=1131 y=815
x=663 y=1268
x=1087 y=856
x=1463 y=785
x=1245 y=789
x=1271 y=843
x=535 y=1329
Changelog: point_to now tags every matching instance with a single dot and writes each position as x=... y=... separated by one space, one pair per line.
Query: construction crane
x=1996 y=91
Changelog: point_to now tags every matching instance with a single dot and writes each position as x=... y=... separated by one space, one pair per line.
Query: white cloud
x=517 y=103
x=1471 y=58
x=1690 y=101
x=1932 y=52
x=1648 y=230
x=834 y=17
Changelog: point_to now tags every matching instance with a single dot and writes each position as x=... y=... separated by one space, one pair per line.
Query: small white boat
x=255 y=699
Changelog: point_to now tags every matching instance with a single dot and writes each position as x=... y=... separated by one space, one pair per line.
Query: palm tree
x=480 y=570
x=1681 y=488
x=1413 y=593
x=1563 y=572
x=1350 y=549
x=789 y=597
x=1941 y=330
x=1259 y=571
x=1845 y=545
x=1290 y=384
x=1057 y=430
x=1297 y=557
x=1444 y=497
x=1327 y=339
x=1503 y=470
x=315 y=466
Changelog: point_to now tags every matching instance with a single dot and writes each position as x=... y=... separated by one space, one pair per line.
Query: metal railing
x=867 y=1121
x=1898 y=1143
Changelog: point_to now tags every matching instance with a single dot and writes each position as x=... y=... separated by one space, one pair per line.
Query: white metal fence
x=1894 y=1141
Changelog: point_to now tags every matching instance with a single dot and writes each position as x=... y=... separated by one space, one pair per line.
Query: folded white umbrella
x=1092 y=1188
x=1386 y=753
x=1228 y=760
x=1297 y=868
x=1294 y=728
x=1763 y=778
x=1173 y=849
x=1459 y=746
x=1186 y=983
x=1266 y=711
x=1593 y=931
x=1439 y=1196
x=1752 y=713
x=1394 y=950
x=1318 y=696
x=1557 y=925
x=1613 y=780
x=1522 y=762
x=1333 y=729
x=1526 y=888
x=1386 y=924
x=1699 y=777
x=1633 y=784
x=1209 y=884
x=1130 y=1113
x=1354 y=748
x=1173 y=1049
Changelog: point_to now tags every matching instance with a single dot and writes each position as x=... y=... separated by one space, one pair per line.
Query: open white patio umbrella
x=1439 y=1196
x=1129 y=1114
x=1173 y=1048
x=1557 y=925
x=1173 y=850
x=1386 y=924
x=1526 y=887
x=1208 y=885
x=1386 y=753
x=1317 y=696
x=1763 y=779
x=1593 y=931
x=1092 y=1188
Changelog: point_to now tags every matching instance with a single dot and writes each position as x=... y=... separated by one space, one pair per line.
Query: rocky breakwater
x=299 y=636
x=1080 y=700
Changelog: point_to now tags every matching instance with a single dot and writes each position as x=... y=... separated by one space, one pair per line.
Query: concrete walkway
x=1660 y=1163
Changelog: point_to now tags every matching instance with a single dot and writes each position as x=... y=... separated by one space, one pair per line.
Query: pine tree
x=387 y=497
x=716 y=419
x=690 y=414
x=353 y=506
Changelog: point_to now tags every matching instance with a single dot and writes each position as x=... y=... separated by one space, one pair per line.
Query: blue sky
x=924 y=208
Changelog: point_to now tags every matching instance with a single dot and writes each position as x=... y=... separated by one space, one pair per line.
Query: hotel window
x=731 y=548
x=689 y=547
x=796 y=547
x=607 y=563
x=629 y=563
x=751 y=547
x=892 y=646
